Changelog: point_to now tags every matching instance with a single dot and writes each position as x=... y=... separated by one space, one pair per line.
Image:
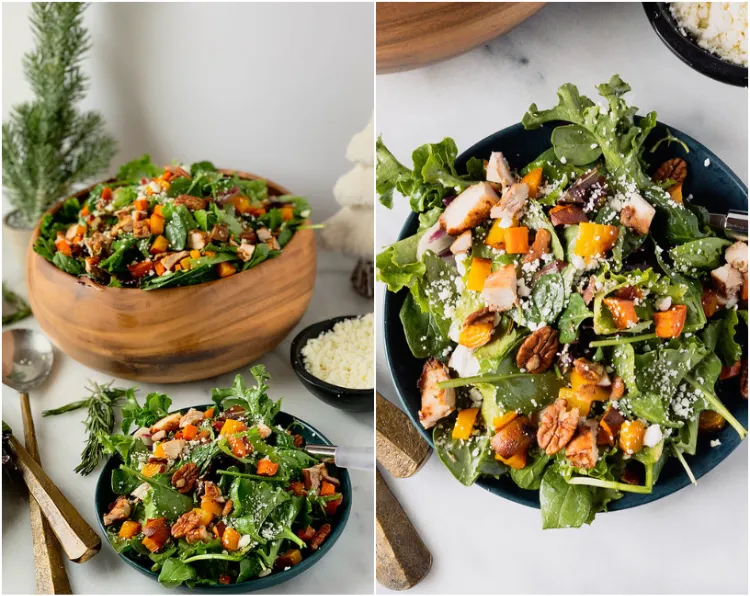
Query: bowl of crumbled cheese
x=710 y=37
x=334 y=359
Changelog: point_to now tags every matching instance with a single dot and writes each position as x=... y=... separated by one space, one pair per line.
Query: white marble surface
x=347 y=568
x=694 y=541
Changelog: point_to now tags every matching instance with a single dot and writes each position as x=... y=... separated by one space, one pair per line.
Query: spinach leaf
x=201 y=166
x=421 y=329
x=547 y=300
x=123 y=483
x=68 y=264
x=398 y=265
x=174 y=572
x=530 y=477
x=574 y=144
x=141 y=167
x=155 y=407
x=255 y=400
x=573 y=315
x=719 y=336
x=389 y=174
x=564 y=505
x=114 y=261
x=124 y=445
x=462 y=458
x=701 y=254
x=162 y=500
x=178 y=226
x=123 y=196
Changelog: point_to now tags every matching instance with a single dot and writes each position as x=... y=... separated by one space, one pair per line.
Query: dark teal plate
x=104 y=496
x=716 y=187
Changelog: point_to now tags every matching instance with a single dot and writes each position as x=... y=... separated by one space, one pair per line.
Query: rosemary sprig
x=100 y=418
x=20 y=308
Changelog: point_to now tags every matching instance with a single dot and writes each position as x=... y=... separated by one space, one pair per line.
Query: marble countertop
x=694 y=541
x=347 y=568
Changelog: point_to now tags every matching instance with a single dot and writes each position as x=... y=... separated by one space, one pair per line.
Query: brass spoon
x=27 y=358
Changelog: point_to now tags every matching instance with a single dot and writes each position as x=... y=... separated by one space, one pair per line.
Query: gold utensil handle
x=49 y=568
x=78 y=539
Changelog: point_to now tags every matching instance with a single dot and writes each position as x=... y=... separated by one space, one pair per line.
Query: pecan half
x=556 y=427
x=185 y=477
x=583 y=451
x=186 y=523
x=191 y=202
x=538 y=351
x=591 y=371
x=513 y=438
x=672 y=169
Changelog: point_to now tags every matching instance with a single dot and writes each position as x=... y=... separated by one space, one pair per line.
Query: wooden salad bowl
x=415 y=34
x=179 y=334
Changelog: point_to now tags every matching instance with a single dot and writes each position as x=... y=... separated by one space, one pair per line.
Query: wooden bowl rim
x=277 y=189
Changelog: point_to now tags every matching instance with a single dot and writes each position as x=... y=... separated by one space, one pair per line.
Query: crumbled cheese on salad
x=719 y=27
x=344 y=355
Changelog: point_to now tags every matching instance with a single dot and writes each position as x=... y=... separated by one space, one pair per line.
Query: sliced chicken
x=500 y=289
x=468 y=209
x=736 y=256
x=264 y=431
x=637 y=214
x=512 y=204
x=192 y=416
x=170 y=261
x=264 y=234
x=167 y=424
x=141 y=491
x=245 y=251
x=435 y=238
x=437 y=403
x=196 y=240
x=727 y=280
x=173 y=449
x=462 y=243
x=498 y=170
x=313 y=477
x=120 y=511
x=464 y=362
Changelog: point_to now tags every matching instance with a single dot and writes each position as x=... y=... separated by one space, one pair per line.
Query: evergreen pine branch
x=48 y=144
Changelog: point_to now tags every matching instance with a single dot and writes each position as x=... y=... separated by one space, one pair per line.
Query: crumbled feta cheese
x=344 y=355
x=652 y=436
x=715 y=442
x=706 y=163
x=663 y=303
x=719 y=27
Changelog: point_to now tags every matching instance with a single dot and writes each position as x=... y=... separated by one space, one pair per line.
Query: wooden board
x=413 y=34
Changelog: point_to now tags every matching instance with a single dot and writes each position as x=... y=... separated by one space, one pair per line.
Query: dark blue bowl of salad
x=713 y=185
x=105 y=496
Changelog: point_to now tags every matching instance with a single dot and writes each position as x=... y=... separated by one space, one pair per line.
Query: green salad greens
x=575 y=314
x=155 y=227
x=219 y=495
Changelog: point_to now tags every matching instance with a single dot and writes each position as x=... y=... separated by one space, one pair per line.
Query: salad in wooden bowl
x=228 y=252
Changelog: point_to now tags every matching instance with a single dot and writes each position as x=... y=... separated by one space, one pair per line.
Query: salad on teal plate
x=571 y=318
x=222 y=495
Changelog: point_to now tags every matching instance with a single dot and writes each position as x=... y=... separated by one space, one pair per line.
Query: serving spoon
x=27 y=359
x=733 y=224
x=353 y=458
